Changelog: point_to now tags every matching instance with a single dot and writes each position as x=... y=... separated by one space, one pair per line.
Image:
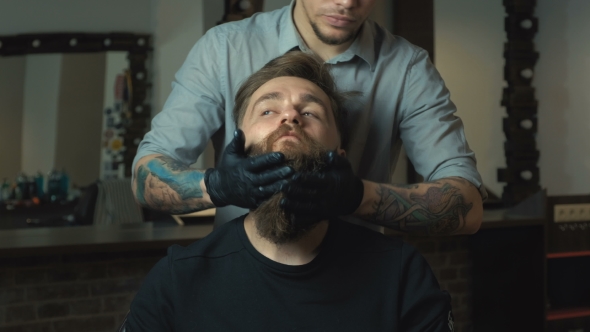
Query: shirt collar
x=363 y=46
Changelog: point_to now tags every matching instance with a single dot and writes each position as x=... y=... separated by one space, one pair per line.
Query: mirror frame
x=138 y=47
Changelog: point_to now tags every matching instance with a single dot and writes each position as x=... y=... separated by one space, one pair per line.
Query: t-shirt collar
x=325 y=251
x=363 y=46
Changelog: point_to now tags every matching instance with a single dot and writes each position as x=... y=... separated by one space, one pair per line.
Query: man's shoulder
x=257 y=24
x=355 y=238
x=392 y=47
x=222 y=242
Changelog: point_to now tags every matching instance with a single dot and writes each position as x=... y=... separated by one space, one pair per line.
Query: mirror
x=53 y=114
x=72 y=101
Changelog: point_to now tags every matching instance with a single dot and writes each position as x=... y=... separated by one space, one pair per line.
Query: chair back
x=115 y=203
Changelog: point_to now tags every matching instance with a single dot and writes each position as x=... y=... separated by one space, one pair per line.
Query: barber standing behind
x=403 y=99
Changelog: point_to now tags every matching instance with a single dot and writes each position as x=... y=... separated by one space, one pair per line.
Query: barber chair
x=115 y=203
x=124 y=327
x=112 y=202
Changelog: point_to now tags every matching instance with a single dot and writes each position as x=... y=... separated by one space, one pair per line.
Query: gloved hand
x=336 y=191
x=245 y=181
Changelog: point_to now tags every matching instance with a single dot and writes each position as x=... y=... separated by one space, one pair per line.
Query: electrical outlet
x=571 y=212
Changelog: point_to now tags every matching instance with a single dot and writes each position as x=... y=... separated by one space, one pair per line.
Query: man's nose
x=346 y=3
x=291 y=116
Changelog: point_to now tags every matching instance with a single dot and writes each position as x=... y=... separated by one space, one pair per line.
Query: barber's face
x=335 y=22
x=294 y=102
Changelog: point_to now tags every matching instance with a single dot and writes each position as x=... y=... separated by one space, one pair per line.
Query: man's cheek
x=249 y=141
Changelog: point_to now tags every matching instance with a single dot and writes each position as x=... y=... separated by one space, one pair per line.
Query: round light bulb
x=526 y=124
x=526 y=24
x=526 y=175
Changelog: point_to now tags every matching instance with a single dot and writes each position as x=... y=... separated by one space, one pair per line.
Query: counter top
x=502 y=218
x=103 y=238
x=152 y=235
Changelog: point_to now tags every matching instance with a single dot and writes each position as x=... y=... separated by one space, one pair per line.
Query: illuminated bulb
x=245 y=4
x=527 y=73
x=526 y=24
x=526 y=175
x=526 y=124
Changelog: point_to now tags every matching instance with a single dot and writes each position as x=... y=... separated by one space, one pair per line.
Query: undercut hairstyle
x=301 y=65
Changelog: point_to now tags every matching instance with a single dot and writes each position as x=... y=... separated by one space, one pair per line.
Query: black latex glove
x=336 y=191
x=245 y=181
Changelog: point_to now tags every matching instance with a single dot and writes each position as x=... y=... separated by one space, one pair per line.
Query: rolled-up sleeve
x=194 y=111
x=432 y=135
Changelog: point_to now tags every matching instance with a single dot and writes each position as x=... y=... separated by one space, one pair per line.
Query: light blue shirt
x=404 y=100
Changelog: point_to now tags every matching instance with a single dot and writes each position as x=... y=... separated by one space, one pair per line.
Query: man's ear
x=341 y=152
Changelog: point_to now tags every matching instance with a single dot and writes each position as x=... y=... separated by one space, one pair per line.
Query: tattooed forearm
x=405 y=186
x=440 y=210
x=179 y=177
x=167 y=185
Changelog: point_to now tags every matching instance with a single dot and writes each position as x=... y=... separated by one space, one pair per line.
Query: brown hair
x=296 y=64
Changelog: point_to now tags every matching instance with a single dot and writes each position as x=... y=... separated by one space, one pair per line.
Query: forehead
x=289 y=86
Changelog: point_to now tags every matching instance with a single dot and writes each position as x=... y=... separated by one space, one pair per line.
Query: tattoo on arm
x=168 y=185
x=440 y=211
x=405 y=186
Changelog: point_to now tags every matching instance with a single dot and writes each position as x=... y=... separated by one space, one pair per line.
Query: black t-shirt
x=361 y=280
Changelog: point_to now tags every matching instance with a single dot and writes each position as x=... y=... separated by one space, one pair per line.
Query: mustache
x=341 y=12
x=306 y=156
x=265 y=145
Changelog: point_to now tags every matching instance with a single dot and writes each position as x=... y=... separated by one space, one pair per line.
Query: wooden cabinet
x=532 y=273
x=507 y=267
x=568 y=267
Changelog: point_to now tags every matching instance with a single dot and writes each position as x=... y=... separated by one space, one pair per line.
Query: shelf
x=568 y=254
x=568 y=313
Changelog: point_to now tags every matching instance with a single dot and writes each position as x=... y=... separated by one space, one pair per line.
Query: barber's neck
x=299 y=252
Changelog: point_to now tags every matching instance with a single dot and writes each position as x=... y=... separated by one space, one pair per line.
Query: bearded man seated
x=270 y=270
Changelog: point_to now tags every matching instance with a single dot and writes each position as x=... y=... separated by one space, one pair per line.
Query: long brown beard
x=272 y=222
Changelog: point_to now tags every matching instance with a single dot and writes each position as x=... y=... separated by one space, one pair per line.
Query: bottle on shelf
x=5 y=190
x=22 y=188
x=64 y=185
x=53 y=186
x=40 y=185
x=32 y=190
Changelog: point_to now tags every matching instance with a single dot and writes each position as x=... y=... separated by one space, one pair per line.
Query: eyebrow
x=268 y=96
x=309 y=98
x=306 y=98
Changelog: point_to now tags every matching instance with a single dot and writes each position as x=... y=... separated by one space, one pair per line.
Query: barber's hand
x=334 y=192
x=245 y=181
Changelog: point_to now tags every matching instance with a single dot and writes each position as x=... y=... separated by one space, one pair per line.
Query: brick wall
x=450 y=260
x=75 y=292
x=92 y=292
